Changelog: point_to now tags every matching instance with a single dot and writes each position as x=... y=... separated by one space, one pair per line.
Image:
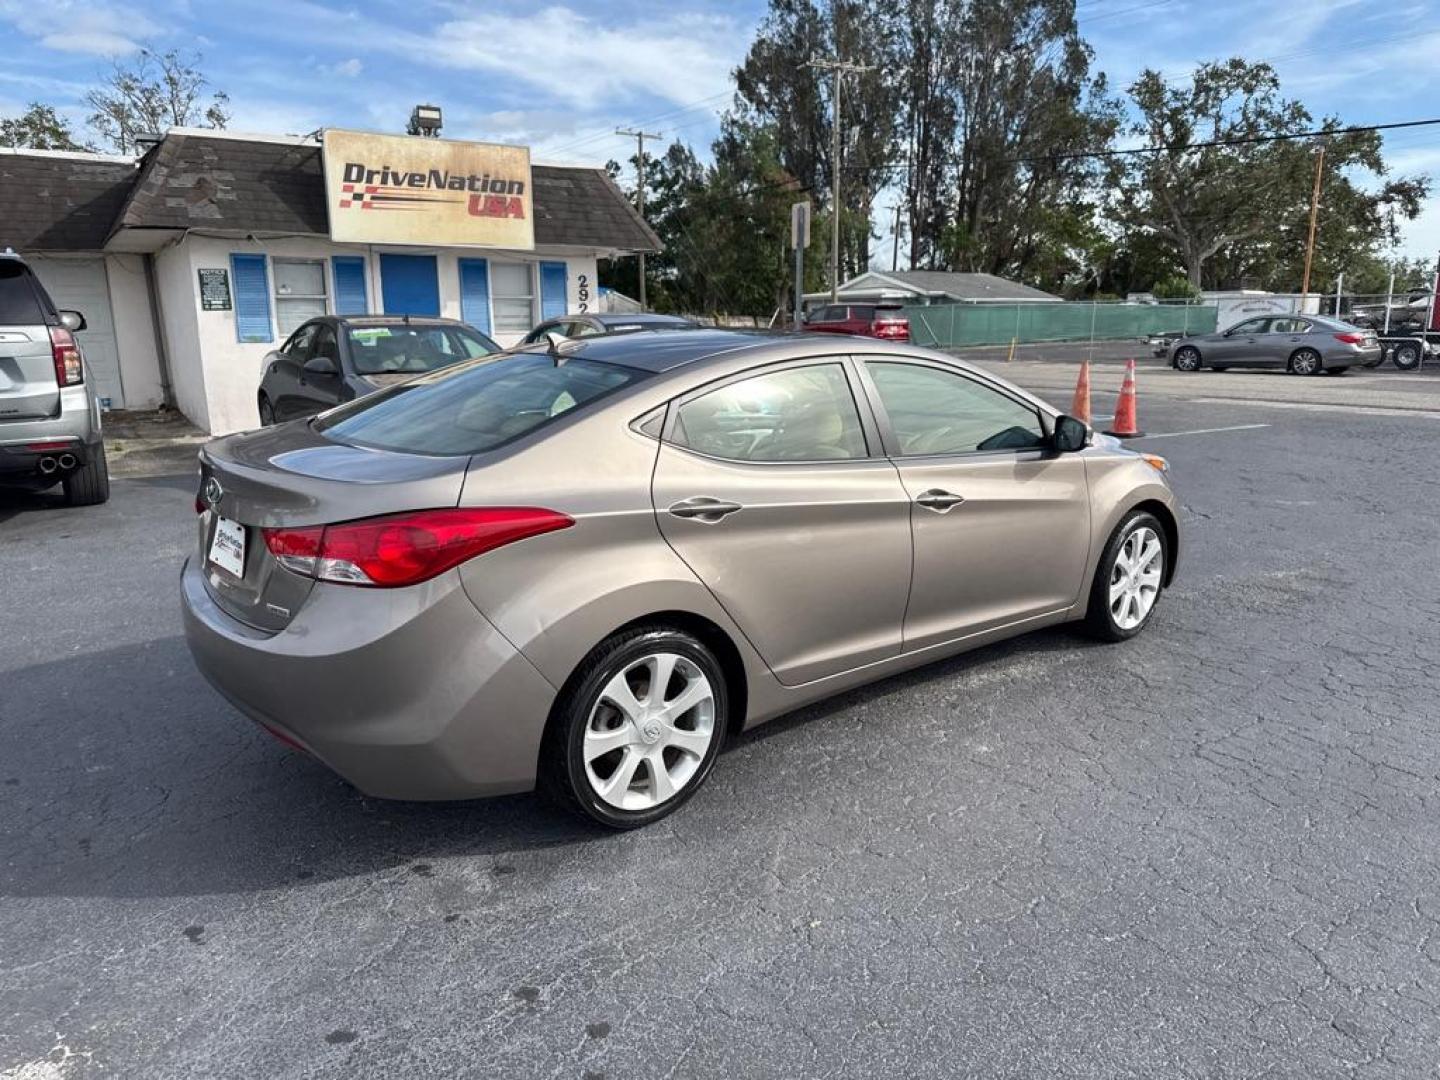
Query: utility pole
x=1314 y=216
x=895 y=238
x=640 y=137
x=837 y=67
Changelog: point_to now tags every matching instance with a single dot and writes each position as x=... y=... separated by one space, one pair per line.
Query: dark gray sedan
x=335 y=359
x=1301 y=344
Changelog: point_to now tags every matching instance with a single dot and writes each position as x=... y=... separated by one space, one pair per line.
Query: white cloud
x=92 y=27
x=348 y=69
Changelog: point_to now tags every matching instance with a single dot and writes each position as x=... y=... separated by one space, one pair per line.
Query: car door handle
x=938 y=500
x=703 y=508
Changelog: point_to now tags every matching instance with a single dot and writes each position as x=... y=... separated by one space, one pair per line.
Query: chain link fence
x=949 y=325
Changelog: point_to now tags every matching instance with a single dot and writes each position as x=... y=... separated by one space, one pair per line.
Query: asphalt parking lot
x=1209 y=852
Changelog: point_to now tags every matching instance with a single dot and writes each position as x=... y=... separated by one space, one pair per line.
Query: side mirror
x=1070 y=434
x=72 y=321
x=321 y=365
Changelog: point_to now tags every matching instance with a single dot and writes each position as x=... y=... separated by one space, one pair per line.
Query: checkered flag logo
x=357 y=195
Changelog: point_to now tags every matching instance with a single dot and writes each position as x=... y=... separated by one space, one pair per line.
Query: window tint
x=326 y=347
x=388 y=350
x=298 y=347
x=476 y=406
x=19 y=306
x=799 y=414
x=1250 y=326
x=862 y=311
x=940 y=412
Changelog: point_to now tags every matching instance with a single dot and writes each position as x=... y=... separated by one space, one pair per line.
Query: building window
x=299 y=291
x=512 y=296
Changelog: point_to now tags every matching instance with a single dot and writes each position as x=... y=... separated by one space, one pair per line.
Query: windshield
x=474 y=407
x=411 y=350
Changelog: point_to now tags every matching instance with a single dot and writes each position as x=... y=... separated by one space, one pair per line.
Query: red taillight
x=406 y=549
x=1352 y=339
x=892 y=329
x=66 y=354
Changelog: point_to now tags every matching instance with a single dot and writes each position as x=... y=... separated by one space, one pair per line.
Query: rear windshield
x=19 y=306
x=474 y=407
x=387 y=350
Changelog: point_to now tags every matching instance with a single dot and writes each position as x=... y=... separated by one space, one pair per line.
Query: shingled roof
x=60 y=201
x=277 y=186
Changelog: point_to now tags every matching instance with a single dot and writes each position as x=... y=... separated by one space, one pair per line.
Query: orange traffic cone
x=1080 y=407
x=1125 y=426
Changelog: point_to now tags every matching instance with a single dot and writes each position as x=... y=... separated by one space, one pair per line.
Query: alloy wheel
x=649 y=731
x=1135 y=577
x=1187 y=359
x=1305 y=362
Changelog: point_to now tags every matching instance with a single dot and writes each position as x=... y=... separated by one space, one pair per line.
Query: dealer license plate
x=227 y=547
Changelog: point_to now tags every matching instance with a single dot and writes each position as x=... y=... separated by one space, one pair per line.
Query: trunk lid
x=293 y=476
x=28 y=388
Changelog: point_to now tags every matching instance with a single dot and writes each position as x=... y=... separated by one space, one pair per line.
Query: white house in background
x=193 y=261
x=919 y=287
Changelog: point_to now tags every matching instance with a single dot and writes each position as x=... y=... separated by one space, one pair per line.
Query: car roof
x=610 y=318
x=391 y=320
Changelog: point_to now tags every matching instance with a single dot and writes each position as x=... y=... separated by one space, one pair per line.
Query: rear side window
x=19 y=304
x=476 y=406
x=796 y=414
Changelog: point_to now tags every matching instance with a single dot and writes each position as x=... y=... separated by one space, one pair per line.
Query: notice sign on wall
x=404 y=189
x=214 y=290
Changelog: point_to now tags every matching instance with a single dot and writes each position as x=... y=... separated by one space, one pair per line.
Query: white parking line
x=1202 y=431
x=1316 y=406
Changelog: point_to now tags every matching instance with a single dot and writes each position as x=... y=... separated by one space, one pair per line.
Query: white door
x=80 y=285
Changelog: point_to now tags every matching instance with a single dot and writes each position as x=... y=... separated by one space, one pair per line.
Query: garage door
x=80 y=284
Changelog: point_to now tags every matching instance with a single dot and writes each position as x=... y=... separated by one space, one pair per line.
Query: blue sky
x=559 y=78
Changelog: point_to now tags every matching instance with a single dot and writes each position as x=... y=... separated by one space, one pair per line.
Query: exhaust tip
x=67 y=461
x=47 y=465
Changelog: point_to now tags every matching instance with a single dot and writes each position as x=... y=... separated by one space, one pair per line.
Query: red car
x=865 y=320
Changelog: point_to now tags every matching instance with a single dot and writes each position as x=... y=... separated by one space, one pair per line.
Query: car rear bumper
x=407 y=694
x=1355 y=354
x=74 y=430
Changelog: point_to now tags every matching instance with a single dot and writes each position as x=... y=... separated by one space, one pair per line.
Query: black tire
x=1099 y=621
x=1305 y=362
x=563 y=778
x=89 y=485
x=267 y=412
x=1187 y=358
x=1406 y=356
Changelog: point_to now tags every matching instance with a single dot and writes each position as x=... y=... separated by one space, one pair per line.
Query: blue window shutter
x=475 y=293
x=552 y=290
x=252 y=298
x=409 y=284
x=350 y=295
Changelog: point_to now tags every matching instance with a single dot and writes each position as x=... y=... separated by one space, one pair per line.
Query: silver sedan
x=1300 y=344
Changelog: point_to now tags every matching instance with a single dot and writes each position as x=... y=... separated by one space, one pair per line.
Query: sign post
x=799 y=240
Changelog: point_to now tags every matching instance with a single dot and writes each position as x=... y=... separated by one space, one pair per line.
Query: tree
x=1238 y=213
x=39 y=128
x=778 y=91
x=155 y=91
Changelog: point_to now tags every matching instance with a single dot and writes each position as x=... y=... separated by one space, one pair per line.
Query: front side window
x=390 y=350
x=512 y=295
x=298 y=347
x=476 y=406
x=1289 y=326
x=299 y=291
x=326 y=347
x=940 y=412
x=1250 y=326
x=797 y=414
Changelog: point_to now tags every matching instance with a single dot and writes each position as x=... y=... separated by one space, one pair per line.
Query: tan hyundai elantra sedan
x=584 y=567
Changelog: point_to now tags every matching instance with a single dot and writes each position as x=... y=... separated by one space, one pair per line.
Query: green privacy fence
x=998 y=324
